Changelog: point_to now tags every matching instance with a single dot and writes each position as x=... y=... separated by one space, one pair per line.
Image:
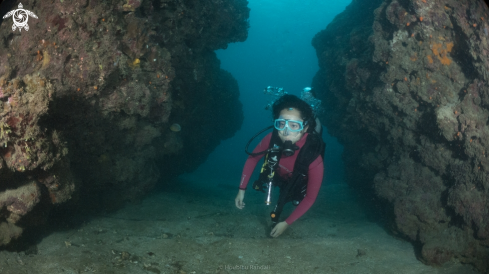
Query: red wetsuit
x=286 y=166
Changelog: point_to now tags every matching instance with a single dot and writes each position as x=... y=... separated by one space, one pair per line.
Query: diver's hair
x=291 y=101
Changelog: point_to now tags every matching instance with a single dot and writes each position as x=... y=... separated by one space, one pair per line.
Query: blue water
x=278 y=52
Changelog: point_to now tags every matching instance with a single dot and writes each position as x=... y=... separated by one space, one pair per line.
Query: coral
x=131 y=5
x=14 y=204
x=4 y=132
x=9 y=231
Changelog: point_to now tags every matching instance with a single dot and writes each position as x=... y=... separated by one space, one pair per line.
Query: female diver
x=293 y=161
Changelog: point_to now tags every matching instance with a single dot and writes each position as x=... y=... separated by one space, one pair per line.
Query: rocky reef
x=405 y=88
x=89 y=94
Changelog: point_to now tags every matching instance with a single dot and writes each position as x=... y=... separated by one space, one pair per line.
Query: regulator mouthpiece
x=289 y=148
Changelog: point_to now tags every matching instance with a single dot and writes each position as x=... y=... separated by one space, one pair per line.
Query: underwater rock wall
x=405 y=89
x=101 y=99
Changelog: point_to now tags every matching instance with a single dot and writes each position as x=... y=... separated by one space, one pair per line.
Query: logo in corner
x=20 y=17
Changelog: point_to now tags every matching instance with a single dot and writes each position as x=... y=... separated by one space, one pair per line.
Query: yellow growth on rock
x=45 y=59
x=441 y=53
x=135 y=64
x=128 y=7
x=435 y=48
x=449 y=47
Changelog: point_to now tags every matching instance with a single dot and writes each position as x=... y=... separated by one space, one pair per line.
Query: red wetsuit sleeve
x=253 y=160
x=316 y=171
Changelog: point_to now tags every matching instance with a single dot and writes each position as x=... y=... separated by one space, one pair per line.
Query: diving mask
x=291 y=125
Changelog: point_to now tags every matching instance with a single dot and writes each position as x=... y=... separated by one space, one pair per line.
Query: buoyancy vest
x=292 y=188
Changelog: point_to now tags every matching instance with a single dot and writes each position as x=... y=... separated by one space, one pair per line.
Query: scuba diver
x=294 y=153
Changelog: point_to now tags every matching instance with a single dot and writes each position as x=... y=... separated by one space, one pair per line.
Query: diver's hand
x=239 y=199
x=279 y=229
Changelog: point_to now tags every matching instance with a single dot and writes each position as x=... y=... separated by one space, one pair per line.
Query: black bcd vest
x=292 y=188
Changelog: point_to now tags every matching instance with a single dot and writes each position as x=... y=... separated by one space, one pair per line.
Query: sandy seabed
x=193 y=227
